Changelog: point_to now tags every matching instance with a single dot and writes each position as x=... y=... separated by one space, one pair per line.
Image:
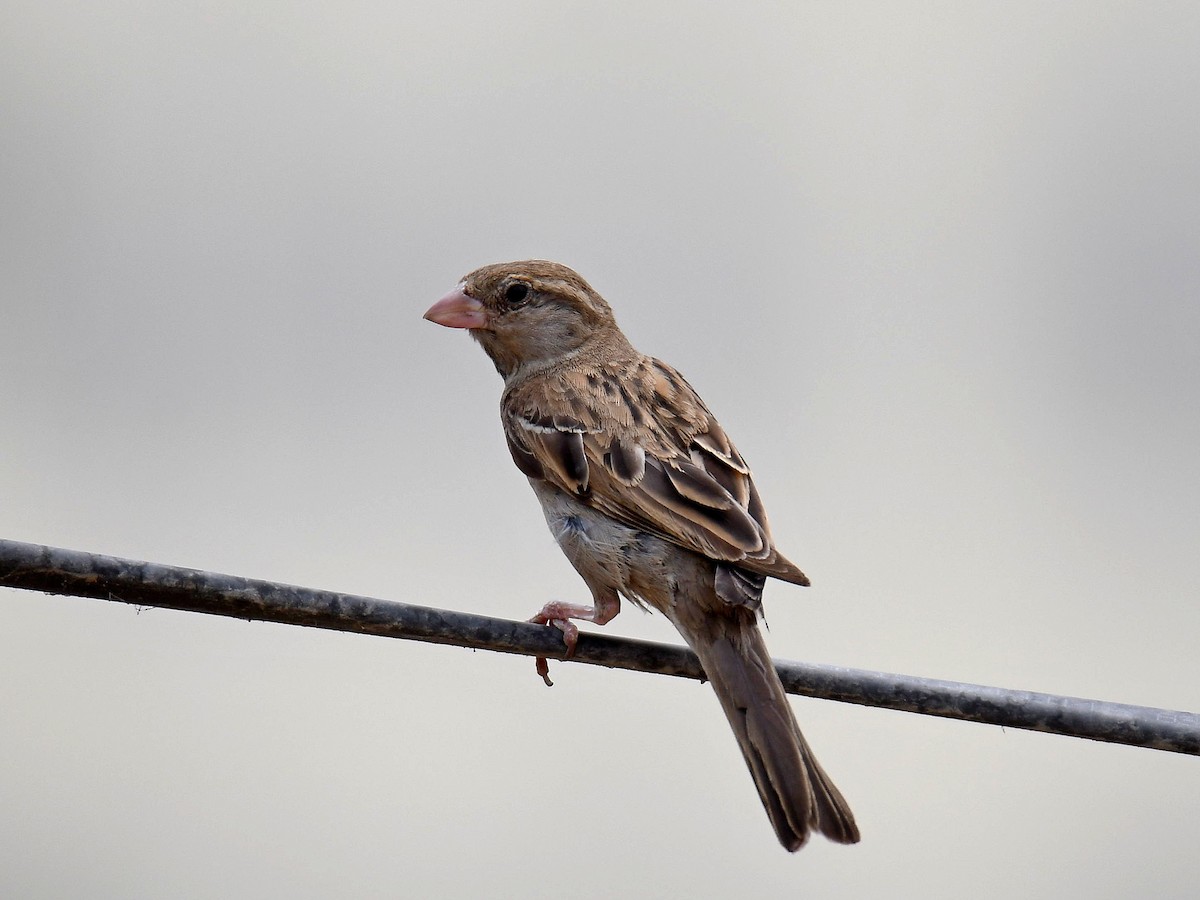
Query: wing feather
x=647 y=452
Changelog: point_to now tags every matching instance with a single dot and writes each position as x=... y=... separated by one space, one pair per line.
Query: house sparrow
x=649 y=500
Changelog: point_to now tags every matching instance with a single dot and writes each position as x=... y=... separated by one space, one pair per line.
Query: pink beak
x=457 y=310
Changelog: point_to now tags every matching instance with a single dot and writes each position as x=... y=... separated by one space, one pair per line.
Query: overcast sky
x=935 y=266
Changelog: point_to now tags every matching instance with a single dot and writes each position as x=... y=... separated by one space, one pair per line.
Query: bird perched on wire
x=650 y=501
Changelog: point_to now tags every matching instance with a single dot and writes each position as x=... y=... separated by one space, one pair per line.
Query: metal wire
x=54 y=570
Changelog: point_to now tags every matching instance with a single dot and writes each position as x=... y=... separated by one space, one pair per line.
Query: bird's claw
x=543 y=669
x=559 y=615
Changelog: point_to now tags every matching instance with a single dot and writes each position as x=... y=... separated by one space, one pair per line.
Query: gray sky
x=936 y=267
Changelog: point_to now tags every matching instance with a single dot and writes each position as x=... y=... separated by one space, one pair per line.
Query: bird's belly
x=608 y=554
x=581 y=531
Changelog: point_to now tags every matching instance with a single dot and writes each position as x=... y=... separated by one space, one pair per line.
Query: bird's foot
x=560 y=615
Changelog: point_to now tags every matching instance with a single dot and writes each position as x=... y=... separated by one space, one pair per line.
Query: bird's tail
x=796 y=792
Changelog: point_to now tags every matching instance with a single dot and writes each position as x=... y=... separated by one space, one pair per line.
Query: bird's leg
x=560 y=614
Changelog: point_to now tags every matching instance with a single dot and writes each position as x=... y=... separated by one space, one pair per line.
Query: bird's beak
x=457 y=310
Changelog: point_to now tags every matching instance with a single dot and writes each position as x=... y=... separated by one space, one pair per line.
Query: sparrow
x=650 y=501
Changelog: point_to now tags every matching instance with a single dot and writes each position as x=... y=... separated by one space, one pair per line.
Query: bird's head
x=526 y=315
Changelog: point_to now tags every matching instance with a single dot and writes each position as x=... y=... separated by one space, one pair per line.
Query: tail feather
x=798 y=796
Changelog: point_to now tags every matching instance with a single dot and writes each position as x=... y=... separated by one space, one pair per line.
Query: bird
x=650 y=501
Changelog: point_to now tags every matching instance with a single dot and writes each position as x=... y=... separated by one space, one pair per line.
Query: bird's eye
x=516 y=293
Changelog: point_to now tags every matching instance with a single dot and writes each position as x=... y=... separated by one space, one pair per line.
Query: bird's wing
x=638 y=444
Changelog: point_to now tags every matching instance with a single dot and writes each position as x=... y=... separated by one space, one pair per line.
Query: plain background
x=935 y=266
